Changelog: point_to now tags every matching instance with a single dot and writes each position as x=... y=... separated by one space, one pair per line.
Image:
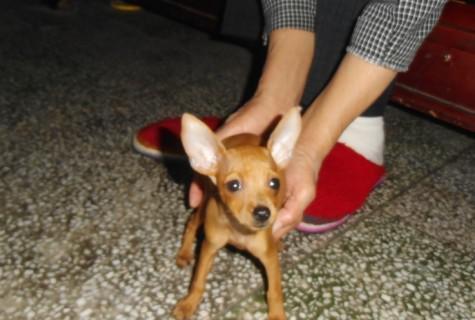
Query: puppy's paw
x=277 y=314
x=184 y=309
x=183 y=259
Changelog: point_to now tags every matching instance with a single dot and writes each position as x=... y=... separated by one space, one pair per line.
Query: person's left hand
x=301 y=176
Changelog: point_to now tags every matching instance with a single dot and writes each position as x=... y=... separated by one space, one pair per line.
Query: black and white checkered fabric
x=298 y=14
x=387 y=33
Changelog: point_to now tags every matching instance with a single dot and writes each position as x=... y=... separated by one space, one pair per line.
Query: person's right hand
x=301 y=179
x=253 y=117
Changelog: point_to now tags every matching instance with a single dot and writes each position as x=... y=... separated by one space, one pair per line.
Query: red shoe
x=162 y=138
x=345 y=181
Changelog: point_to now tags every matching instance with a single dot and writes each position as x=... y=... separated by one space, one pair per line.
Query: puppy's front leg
x=185 y=254
x=275 y=300
x=187 y=306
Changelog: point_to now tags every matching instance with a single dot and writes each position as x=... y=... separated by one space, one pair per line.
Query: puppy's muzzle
x=261 y=215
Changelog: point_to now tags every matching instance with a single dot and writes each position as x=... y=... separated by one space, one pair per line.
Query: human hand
x=254 y=117
x=301 y=177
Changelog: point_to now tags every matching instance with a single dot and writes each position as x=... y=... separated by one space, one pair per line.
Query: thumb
x=289 y=216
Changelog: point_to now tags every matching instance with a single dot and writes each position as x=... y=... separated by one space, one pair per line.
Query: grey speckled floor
x=89 y=229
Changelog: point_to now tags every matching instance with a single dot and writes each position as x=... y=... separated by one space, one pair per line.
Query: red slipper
x=162 y=138
x=346 y=179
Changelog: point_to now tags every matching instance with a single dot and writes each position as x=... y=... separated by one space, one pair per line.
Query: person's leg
x=354 y=166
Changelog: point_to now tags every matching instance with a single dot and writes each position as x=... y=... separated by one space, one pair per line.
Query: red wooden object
x=441 y=80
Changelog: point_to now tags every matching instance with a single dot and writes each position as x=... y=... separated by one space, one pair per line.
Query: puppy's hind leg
x=185 y=254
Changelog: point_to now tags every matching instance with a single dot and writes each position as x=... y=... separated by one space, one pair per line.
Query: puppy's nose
x=261 y=213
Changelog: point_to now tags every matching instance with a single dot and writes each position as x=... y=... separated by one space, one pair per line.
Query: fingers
x=231 y=127
x=253 y=117
x=288 y=217
x=284 y=224
x=241 y=121
x=300 y=193
x=195 y=194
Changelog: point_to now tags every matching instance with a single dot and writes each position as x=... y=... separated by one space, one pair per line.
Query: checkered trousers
x=387 y=33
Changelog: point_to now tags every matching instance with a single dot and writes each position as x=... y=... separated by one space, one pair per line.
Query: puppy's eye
x=233 y=185
x=274 y=183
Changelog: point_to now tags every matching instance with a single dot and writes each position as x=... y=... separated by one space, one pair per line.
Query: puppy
x=245 y=188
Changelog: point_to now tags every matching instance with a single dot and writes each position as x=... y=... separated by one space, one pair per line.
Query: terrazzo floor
x=89 y=228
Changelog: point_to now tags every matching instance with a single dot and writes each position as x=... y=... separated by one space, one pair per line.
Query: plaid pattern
x=387 y=33
x=296 y=14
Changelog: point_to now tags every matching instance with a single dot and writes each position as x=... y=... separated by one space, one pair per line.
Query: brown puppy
x=244 y=192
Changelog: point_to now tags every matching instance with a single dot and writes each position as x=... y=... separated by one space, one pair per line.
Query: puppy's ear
x=282 y=140
x=201 y=145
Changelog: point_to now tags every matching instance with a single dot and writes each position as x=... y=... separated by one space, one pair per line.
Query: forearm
x=354 y=87
x=289 y=57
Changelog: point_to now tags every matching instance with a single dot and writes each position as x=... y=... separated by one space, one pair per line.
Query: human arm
x=355 y=85
x=384 y=42
x=289 y=35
